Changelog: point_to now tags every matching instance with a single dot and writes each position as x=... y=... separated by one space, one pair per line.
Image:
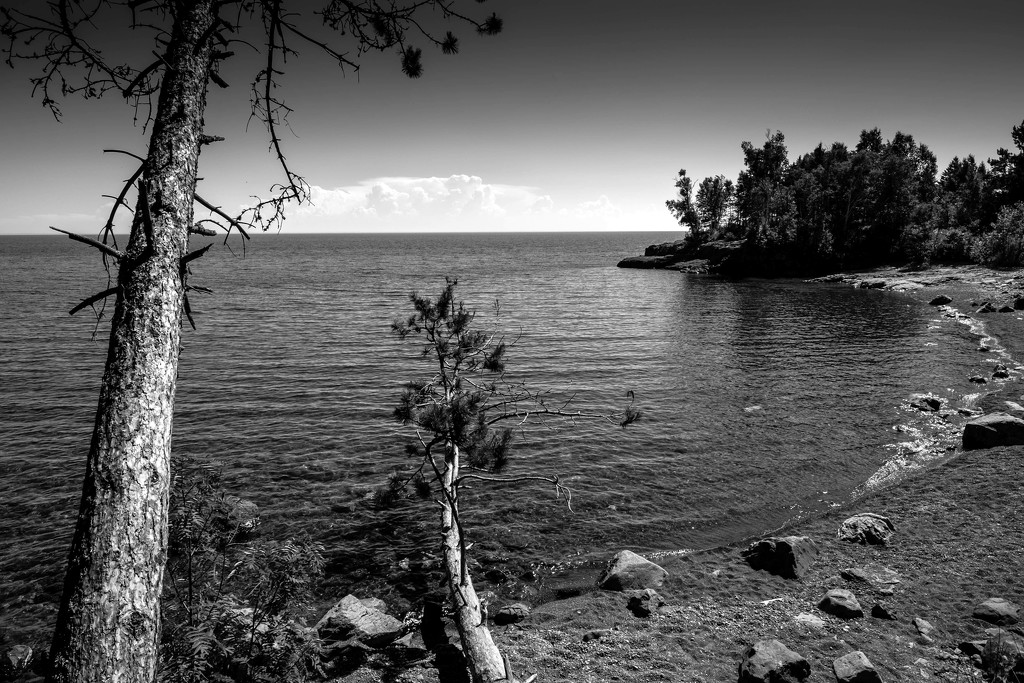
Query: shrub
x=1003 y=245
x=230 y=606
x=949 y=245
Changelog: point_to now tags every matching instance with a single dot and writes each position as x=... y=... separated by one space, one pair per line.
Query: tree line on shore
x=880 y=202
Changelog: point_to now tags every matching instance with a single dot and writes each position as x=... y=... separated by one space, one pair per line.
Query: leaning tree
x=109 y=620
x=466 y=413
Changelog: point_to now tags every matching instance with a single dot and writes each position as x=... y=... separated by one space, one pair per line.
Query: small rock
x=977 y=379
x=855 y=668
x=997 y=611
x=244 y=516
x=596 y=634
x=1000 y=371
x=644 y=603
x=925 y=402
x=940 y=300
x=866 y=528
x=986 y=308
x=1006 y=309
x=983 y=349
x=768 y=661
x=1018 y=303
x=511 y=614
x=811 y=620
x=880 y=611
x=841 y=603
x=994 y=429
x=627 y=570
x=789 y=557
x=923 y=626
x=874 y=576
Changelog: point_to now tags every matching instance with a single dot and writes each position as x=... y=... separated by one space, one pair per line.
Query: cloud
x=456 y=203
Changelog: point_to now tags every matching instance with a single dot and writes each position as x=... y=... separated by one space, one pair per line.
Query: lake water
x=762 y=400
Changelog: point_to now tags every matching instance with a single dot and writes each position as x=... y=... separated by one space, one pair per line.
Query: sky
x=576 y=117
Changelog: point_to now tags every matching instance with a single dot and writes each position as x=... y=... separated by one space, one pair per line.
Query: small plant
x=231 y=607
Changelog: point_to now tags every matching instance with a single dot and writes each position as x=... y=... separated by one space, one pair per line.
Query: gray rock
x=855 y=668
x=841 y=603
x=1018 y=303
x=769 y=661
x=997 y=611
x=647 y=262
x=644 y=603
x=789 y=557
x=940 y=300
x=993 y=429
x=596 y=634
x=986 y=308
x=244 y=516
x=1000 y=371
x=811 y=620
x=923 y=626
x=977 y=379
x=627 y=571
x=511 y=614
x=880 y=611
x=925 y=402
x=1006 y=309
x=351 y=619
x=1003 y=656
x=866 y=528
x=15 y=662
x=873 y=575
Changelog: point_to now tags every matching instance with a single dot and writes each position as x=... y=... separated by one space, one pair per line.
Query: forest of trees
x=881 y=202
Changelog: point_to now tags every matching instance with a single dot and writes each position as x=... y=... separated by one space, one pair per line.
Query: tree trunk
x=482 y=655
x=108 y=626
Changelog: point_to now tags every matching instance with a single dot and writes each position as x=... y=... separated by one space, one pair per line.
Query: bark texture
x=109 y=620
x=482 y=655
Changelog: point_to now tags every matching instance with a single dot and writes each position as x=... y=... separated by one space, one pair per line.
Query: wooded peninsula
x=836 y=208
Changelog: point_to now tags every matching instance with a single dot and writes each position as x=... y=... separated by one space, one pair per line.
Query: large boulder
x=866 y=528
x=855 y=668
x=789 y=556
x=841 y=603
x=351 y=618
x=628 y=571
x=769 y=661
x=994 y=429
x=940 y=300
x=998 y=611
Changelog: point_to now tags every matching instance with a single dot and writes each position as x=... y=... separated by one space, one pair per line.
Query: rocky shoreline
x=952 y=547
x=908 y=594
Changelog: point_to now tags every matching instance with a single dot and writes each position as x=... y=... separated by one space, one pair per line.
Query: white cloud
x=455 y=203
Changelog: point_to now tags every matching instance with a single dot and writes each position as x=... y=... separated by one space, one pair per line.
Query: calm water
x=762 y=400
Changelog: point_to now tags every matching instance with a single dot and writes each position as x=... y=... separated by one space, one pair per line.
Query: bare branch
x=93 y=299
x=106 y=249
